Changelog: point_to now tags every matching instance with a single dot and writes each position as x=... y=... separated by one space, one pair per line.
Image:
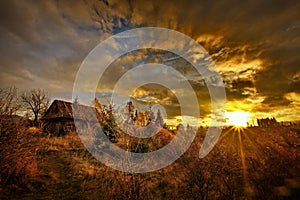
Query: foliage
x=254 y=163
x=60 y=168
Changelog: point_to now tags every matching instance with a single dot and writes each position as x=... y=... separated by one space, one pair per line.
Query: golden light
x=237 y=118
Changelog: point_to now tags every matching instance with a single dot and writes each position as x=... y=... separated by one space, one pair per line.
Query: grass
x=250 y=164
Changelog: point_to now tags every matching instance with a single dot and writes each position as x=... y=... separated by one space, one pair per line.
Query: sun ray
x=247 y=186
x=232 y=139
x=226 y=133
x=253 y=144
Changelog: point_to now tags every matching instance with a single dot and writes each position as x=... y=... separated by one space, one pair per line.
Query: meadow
x=250 y=163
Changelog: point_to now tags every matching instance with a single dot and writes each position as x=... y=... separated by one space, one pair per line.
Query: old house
x=58 y=119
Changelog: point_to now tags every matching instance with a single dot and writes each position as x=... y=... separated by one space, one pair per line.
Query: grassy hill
x=252 y=163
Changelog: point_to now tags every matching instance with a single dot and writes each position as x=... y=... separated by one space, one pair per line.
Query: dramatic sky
x=255 y=45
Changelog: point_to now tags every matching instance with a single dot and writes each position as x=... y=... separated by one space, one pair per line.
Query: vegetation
x=37 y=101
x=61 y=168
x=252 y=163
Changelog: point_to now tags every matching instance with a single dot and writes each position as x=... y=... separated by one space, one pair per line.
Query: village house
x=58 y=119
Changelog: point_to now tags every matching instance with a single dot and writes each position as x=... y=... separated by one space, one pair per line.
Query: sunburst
x=238 y=119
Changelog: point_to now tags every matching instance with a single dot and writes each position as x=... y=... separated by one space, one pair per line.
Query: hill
x=250 y=163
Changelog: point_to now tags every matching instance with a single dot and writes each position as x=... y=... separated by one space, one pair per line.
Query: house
x=58 y=119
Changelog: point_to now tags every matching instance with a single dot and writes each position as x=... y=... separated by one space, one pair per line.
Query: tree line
x=13 y=102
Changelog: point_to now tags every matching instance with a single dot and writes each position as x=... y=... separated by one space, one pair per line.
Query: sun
x=237 y=118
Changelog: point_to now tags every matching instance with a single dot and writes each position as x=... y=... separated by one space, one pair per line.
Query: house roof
x=63 y=109
x=59 y=109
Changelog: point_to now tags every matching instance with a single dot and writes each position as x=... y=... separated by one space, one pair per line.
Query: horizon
x=175 y=121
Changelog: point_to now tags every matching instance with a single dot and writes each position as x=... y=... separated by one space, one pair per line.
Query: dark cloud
x=274 y=101
x=255 y=44
x=47 y=38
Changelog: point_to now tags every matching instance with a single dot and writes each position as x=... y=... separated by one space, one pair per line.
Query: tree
x=9 y=105
x=129 y=112
x=37 y=100
x=97 y=105
x=159 y=119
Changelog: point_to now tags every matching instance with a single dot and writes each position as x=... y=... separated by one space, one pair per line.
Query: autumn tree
x=97 y=105
x=37 y=101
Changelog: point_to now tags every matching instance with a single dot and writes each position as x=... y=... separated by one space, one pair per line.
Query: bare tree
x=9 y=105
x=37 y=100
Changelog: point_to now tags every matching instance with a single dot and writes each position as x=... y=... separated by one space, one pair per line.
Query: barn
x=58 y=119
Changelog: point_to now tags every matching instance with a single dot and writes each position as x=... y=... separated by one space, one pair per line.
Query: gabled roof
x=63 y=109
x=59 y=109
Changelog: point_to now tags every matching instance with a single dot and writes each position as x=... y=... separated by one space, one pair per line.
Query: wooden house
x=58 y=119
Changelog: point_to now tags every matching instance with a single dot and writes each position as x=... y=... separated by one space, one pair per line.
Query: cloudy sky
x=254 y=44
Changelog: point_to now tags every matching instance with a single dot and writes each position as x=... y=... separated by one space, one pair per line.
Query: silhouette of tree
x=8 y=101
x=159 y=119
x=135 y=116
x=37 y=100
x=129 y=112
x=9 y=105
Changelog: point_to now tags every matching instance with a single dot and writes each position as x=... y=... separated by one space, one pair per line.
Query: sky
x=255 y=46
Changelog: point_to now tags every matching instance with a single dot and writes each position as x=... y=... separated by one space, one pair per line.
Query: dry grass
x=36 y=165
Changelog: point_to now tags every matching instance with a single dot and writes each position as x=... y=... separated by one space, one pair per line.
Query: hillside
x=252 y=163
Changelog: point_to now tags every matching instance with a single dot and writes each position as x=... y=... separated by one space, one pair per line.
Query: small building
x=58 y=119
